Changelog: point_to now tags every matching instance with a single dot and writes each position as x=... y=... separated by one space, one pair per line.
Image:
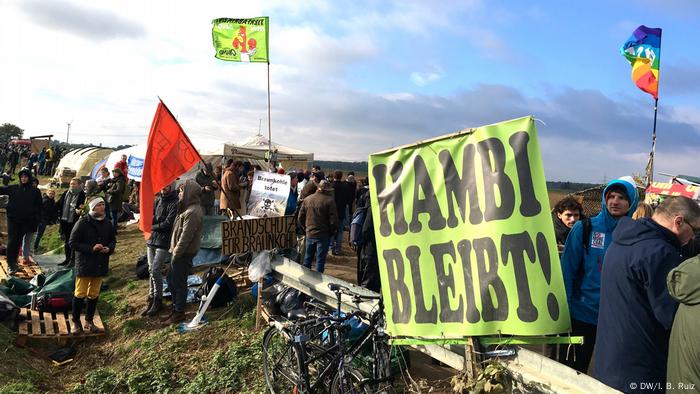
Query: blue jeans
x=115 y=218
x=28 y=245
x=319 y=248
x=39 y=233
x=337 y=238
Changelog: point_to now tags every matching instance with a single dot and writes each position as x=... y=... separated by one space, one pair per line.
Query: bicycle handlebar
x=337 y=288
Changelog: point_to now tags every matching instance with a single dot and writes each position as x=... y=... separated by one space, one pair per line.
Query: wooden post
x=258 y=309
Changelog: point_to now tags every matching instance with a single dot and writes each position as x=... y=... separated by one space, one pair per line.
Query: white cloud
x=422 y=79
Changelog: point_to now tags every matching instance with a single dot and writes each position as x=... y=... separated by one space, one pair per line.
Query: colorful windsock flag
x=643 y=50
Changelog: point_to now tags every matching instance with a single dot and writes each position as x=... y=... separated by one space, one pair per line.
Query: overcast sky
x=352 y=78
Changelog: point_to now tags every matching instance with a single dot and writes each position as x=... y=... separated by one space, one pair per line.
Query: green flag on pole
x=241 y=39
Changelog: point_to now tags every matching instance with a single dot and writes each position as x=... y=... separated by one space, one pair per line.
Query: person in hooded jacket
x=93 y=240
x=683 y=367
x=205 y=179
x=184 y=245
x=69 y=207
x=636 y=309
x=581 y=265
x=115 y=196
x=158 y=246
x=23 y=215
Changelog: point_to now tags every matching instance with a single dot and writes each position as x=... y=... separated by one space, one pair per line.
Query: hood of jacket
x=684 y=282
x=561 y=230
x=192 y=194
x=628 y=183
x=118 y=171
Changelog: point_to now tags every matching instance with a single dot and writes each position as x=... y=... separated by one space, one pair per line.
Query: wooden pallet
x=26 y=271
x=52 y=325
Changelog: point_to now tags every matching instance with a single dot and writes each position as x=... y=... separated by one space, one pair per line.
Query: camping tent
x=135 y=156
x=79 y=162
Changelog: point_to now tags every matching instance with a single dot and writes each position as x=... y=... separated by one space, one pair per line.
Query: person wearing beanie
x=115 y=195
x=582 y=263
x=93 y=240
x=23 y=215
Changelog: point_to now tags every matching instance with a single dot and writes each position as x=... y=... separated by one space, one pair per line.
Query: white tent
x=135 y=156
x=79 y=162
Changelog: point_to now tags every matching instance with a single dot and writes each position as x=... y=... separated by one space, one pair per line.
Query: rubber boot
x=168 y=316
x=155 y=307
x=89 y=316
x=148 y=307
x=175 y=318
x=76 y=326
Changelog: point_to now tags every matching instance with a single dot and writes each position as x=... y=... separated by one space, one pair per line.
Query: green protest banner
x=464 y=236
x=241 y=40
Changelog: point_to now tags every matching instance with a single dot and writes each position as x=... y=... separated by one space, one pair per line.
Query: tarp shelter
x=79 y=162
x=258 y=146
x=40 y=142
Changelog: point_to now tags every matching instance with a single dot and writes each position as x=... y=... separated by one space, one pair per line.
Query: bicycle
x=316 y=354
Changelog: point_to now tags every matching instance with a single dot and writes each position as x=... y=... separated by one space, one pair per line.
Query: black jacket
x=24 y=204
x=343 y=196
x=164 y=214
x=636 y=311
x=78 y=203
x=49 y=213
x=87 y=233
x=206 y=180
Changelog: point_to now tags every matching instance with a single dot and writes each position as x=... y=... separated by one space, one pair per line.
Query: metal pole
x=650 y=166
x=269 y=116
x=68 y=132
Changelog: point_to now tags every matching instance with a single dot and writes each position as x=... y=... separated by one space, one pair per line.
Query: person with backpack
x=184 y=245
x=93 y=240
x=158 y=245
x=363 y=241
x=115 y=195
x=582 y=263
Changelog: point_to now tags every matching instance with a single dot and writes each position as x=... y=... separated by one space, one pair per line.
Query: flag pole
x=650 y=171
x=269 y=117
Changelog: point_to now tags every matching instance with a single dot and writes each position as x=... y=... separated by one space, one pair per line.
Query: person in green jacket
x=683 y=368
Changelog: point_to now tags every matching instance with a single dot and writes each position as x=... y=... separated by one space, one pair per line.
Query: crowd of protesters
x=625 y=277
x=16 y=157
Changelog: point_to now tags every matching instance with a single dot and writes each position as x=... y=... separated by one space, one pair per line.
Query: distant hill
x=360 y=169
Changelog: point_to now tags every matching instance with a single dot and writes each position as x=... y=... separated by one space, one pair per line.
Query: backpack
x=142 y=268
x=227 y=290
x=58 y=301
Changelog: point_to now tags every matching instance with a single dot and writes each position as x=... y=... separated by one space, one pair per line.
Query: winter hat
x=618 y=188
x=93 y=203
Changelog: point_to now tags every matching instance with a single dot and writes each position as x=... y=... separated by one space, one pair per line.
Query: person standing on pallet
x=23 y=215
x=93 y=240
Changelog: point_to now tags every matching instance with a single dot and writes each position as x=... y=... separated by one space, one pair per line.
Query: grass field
x=139 y=355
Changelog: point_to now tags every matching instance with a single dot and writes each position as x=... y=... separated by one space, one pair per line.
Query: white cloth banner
x=268 y=195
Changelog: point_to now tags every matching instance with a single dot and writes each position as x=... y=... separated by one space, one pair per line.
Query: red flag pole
x=269 y=116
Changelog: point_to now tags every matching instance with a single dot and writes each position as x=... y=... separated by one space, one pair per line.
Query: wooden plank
x=48 y=323
x=36 y=325
x=24 y=326
x=63 y=328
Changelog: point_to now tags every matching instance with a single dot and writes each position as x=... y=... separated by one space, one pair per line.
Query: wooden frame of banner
x=488 y=340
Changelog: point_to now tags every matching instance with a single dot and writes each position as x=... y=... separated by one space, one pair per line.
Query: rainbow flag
x=643 y=50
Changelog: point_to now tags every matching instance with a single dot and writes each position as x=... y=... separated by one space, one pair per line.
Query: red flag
x=169 y=154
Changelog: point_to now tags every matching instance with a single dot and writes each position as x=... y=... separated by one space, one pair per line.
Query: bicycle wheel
x=352 y=384
x=282 y=363
x=381 y=367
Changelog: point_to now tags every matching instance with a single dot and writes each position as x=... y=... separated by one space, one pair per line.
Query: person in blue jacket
x=636 y=309
x=582 y=262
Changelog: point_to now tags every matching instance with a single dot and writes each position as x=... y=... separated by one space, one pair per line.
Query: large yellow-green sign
x=464 y=236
